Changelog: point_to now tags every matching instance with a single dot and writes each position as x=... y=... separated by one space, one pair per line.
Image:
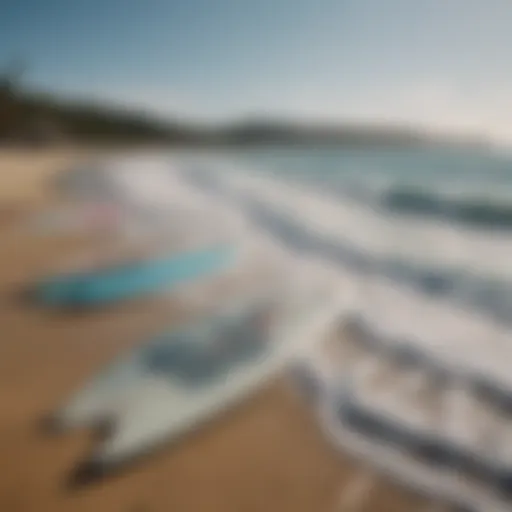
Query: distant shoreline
x=43 y=119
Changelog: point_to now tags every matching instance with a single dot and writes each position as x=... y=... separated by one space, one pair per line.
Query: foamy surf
x=200 y=198
x=421 y=241
x=436 y=435
x=471 y=267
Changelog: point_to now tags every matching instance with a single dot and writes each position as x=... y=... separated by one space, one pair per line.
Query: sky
x=442 y=64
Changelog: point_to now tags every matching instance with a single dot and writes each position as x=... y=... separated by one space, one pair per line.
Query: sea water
x=420 y=225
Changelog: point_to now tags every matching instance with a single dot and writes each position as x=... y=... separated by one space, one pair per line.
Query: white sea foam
x=415 y=240
x=439 y=325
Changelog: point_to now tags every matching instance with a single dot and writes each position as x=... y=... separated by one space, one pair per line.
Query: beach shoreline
x=267 y=454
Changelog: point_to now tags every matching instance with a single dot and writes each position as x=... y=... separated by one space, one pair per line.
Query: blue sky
x=439 y=63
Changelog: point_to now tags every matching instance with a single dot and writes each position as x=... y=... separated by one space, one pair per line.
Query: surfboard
x=122 y=282
x=175 y=382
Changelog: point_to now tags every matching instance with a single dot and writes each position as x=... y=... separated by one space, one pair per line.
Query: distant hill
x=279 y=132
x=43 y=117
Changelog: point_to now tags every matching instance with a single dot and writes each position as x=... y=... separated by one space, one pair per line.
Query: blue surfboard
x=136 y=279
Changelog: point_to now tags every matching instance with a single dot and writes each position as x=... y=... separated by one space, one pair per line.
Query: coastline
x=268 y=454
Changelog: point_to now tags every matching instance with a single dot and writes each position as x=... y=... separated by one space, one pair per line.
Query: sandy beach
x=267 y=455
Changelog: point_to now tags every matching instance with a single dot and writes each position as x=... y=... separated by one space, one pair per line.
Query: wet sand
x=266 y=455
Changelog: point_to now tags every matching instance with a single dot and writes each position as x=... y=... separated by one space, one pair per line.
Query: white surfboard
x=175 y=382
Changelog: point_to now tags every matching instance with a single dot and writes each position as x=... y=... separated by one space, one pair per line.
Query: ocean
x=421 y=236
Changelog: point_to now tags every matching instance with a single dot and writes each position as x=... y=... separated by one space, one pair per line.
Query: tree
x=10 y=95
